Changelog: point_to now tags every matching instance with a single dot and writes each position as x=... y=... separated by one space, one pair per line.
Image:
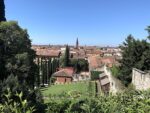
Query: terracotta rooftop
x=93 y=62
x=108 y=60
x=68 y=72
x=61 y=74
x=94 y=51
x=47 y=52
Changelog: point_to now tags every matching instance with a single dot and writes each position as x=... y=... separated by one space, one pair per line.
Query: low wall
x=115 y=84
x=140 y=79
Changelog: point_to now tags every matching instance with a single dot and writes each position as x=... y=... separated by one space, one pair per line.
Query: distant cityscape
x=73 y=78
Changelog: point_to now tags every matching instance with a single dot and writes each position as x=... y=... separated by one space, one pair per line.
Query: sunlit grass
x=84 y=88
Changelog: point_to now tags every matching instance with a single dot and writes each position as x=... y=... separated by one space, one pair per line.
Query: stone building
x=140 y=79
x=64 y=75
x=104 y=82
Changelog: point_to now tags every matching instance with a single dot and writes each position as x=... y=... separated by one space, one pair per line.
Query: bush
x=95 y=75
x=79 y=64
x=115 y=71
x=128 y=102
x=33 y=97
x=17 y=57
x=12 y=106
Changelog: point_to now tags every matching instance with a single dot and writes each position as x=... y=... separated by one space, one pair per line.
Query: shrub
x=95 y=75
x=33 y=97
x=12 y=106
x=115 y=71
x=128 y=102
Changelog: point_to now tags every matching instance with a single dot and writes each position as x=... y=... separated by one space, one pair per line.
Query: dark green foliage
x=33 y=97
x=95 y=75
x=37 y=81
x=148 y=30
x=115 y=71
x=17 y=55
x=17 y=67
x=47 y=67
x=79 y=64
x=44 y=71
x=11 y=106
x=136 y=54
x=67 y=56
x=54 y=65
x=65 y=59
x=127 y=102
x=2 y=60
x=2 y=11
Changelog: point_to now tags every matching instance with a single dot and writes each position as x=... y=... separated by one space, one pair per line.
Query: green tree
x=2 y=66
x=136 y=54
x=79 y=65
x=95 y=75
x=67 y=56
x=2 y=18
x=2 y=11
x=17 y=55
x=148 y=30
x=115 y=70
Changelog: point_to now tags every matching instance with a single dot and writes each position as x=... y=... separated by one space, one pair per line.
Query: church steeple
x=77 y=44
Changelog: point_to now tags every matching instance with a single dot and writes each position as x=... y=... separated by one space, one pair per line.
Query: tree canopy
x=136 y=54
x=2 y=11
x=79 y=65
x=148 y=30
x=16 y=54
x=66 y=59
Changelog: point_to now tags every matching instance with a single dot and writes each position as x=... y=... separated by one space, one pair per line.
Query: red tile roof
x=61 y=73
x=64 y=72
x=95 y=62
x=68 y=70
x=108 y=60
x=47 y=52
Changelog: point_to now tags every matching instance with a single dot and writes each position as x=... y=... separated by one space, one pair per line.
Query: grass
x=85 y=88
x=61 y=88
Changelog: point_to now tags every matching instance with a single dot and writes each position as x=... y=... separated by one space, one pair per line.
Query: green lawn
x=81 y=87
x=85 y=89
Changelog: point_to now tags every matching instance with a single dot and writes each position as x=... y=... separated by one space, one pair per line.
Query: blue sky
x=94 y=22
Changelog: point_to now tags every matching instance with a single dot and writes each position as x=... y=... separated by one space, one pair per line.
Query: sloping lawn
x=83 y=88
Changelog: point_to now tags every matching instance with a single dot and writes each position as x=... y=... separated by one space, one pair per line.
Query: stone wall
x=140 y=79
x=115 y=84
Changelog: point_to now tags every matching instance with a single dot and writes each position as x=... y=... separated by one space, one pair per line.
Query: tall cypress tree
x=66 y=57
x=2 y=11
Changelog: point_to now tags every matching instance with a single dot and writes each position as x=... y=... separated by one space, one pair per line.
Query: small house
x=64 y=75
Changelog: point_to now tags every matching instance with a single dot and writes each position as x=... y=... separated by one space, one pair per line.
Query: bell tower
x=77 y=44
